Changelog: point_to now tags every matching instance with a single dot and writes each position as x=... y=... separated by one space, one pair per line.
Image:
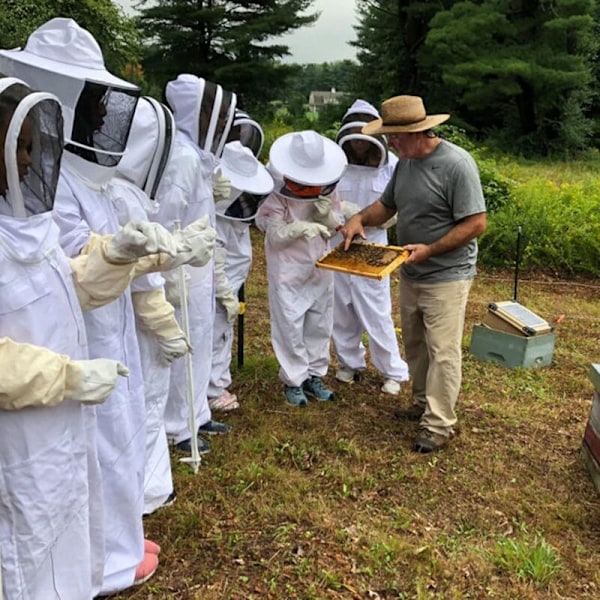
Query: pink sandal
x=225 y=402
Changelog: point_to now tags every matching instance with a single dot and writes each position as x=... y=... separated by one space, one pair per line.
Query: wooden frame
x=352 y=263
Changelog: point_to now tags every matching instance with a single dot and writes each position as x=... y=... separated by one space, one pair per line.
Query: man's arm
x=462 y=233
x=375 y=214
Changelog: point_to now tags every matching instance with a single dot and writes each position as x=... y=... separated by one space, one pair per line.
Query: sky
x=325 y=41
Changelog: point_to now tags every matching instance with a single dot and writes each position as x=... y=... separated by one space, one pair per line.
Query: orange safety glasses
x=299 y=190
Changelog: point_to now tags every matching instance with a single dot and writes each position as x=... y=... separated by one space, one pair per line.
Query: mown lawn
x=329 y=502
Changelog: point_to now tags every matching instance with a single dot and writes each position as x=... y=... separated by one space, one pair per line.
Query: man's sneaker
x=413 y=413
x=186 y=446
x=391 y=387
x=428 y=441
x=295 y=395
x=214 y=428
x=146 y=568
x=347 y=375
x=314 y=387
x=225 y=402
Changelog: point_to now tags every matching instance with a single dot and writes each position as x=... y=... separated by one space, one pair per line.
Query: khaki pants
x=433 y=317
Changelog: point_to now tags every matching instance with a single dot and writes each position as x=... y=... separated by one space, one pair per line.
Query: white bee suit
x=137 y=169
x=300 y=294
x=234 y=236
x=362 y=304
x=44 y=462
x=80 y=209
x=185 y=195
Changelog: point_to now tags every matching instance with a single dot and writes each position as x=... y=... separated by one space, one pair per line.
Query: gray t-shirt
x=431 y=195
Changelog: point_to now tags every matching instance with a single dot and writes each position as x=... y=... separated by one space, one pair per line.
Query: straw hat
x=403 y=114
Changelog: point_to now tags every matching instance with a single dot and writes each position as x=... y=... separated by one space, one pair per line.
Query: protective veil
x=247 y=131
x=133 y=193
x=203 y=116
x=362 y=304
x=98 y=109
x=50 y=495
x=300 y=295
x=251 y=183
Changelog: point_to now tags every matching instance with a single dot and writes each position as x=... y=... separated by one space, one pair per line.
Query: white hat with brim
x=62 y=46
x=308 y=158
x=403 y=114
x=246 y=173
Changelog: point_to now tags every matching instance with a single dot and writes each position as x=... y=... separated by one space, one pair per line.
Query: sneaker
x=413 y=413
x=150 y=547
x=186 y=446
x=391 y=387
x=295 y=395
x=225 y=402
x=214 y=428
x=146 y=569
x=347 y=375
x=314 y=387
x=428 y=441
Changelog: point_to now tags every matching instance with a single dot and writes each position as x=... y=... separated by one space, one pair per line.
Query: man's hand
x=351 y=229
x=418 y=253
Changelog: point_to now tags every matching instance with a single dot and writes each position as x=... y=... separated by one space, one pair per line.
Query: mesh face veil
x=217 y=109
x=361 y=149
x=248 y=132
x=32 y=149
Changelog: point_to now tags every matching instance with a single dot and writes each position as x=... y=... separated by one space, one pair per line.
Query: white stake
x=195 y=458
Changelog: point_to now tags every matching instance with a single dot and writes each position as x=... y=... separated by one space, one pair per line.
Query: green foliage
x=560 y=223
x=535 y=561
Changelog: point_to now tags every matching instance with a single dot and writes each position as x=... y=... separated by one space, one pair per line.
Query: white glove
x=199 y=240
x=305 y=229
x=174 y=348
x=390 y=222
x=221 y=185
x=350 y=209
x=324 y=213
x=231 y=305
x=172 y=288
x=98 y=379
x=140 y=238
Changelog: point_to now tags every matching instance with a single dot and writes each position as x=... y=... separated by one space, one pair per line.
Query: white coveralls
x=132 y=204
x=186 y=195
x=234 y=236
x=300 y=294
x=79 y=210
x=50 y=487
x=362 y=304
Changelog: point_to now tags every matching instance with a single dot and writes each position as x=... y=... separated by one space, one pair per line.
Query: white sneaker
x=345 y=374
x=391 y=387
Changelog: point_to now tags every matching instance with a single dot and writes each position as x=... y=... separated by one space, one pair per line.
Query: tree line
x=521 y=74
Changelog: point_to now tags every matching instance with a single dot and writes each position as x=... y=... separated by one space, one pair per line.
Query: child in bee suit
x=161 y=339
x=98 y=108
x=203 y=114
x=298 y=219
x=51 y=521
x=250 y=184
x=360 y=304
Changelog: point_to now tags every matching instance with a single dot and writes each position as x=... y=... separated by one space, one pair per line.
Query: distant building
x=318 y=100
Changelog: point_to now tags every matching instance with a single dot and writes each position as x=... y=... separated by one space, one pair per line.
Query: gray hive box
x=590 y=449
x=510 y=350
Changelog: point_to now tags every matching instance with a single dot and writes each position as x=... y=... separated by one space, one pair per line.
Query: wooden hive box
x=364 y=258
x=590 y=449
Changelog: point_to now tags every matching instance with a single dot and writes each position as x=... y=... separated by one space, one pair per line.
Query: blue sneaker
x=314 y=387
x=295 y=396
x=214 y=428
x=186 y=446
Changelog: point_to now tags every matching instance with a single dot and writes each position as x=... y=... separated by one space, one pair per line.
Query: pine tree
x=223 y=41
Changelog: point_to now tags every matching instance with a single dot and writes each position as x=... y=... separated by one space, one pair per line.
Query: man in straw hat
x=436 y=193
